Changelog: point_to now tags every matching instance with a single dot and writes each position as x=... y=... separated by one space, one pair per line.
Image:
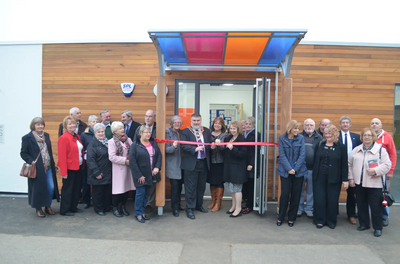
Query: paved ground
x=211 y=238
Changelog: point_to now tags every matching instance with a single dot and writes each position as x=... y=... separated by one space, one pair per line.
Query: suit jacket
x=355 y=139
x=189 y=157
x=37 y=188
x=132 y=130
x=81 y=128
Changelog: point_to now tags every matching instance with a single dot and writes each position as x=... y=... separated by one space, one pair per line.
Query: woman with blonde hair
x=292 y=168
x=329 y=172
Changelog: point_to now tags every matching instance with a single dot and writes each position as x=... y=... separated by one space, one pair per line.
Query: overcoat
x=98 y=163
x=235 y=162
x=172 y=155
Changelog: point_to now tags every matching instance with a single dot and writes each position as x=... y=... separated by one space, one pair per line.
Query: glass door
x=261 y=112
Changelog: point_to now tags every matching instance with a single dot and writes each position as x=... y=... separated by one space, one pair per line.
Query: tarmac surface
x=210 y=238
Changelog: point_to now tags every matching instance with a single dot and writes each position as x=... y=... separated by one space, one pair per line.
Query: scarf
x=103 y=141
x=91 y=130
x=118 y=143
x=43 y=148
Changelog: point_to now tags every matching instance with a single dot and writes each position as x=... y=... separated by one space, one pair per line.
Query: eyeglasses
x=367 y=136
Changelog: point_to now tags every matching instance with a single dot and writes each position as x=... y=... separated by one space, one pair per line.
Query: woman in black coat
x=99 y=170
x=145 y=164
x=235 y=164
x=42 y=189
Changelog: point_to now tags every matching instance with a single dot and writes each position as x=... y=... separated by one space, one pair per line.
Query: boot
x=213 y=196
x=124 y=211
x=49 y=211
x=116 y=212
x=218 y=196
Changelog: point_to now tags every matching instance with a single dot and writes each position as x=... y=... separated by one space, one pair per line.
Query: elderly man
x=351 y=140
x=195 y=164
x=149 y=120
x=387 y=142
x=106 y=121
x=311 y=140
x=130 y=125
x=324 y=122
x=80 y=125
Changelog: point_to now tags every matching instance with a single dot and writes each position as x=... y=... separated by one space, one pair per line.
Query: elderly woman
x=42 y=189
x=173 y=163
x=86 y=138
x=235 y=167
x=368 y=163
x=291 y=168
x=216 y=175
x=248 y=187
x=145 y=163
x=329 y=172
x=99 y=170
x=122 y=182
x=71 y=163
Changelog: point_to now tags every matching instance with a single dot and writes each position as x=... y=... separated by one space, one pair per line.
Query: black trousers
x=369 y=198
x=195 y=184
x=290 y=187
x=326 y=199
x=118 y=199
x=176 y=190
x=85 y=188
x=71 y=191
x=248 y=192
x=101 y=197
x=351 y=202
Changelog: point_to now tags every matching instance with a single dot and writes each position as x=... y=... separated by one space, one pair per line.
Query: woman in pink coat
x=122 y=182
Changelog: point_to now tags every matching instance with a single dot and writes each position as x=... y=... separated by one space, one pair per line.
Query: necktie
x=345 y=139
x=198 y=137
x=126 y=129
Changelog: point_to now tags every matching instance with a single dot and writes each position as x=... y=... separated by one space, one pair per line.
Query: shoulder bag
x=29 y=170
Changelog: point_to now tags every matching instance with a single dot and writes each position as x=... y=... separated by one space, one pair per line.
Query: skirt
x=216 y=174
x=234 y=187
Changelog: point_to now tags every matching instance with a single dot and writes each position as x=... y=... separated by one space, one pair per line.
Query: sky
x=57 y=21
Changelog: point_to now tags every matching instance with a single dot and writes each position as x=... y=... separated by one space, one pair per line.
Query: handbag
x=29 y=170
x=387 y=198
x=156 y=178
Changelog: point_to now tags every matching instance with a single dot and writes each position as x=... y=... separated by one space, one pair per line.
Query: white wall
x=20 y=101
x=237 y=94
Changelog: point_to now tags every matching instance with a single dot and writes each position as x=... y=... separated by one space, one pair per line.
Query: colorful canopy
x=269 y=50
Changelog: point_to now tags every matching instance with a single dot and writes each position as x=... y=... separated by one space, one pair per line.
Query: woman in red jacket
x=70 y=162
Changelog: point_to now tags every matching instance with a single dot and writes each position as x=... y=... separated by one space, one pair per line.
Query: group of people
x=103 y=161
x=319 y=162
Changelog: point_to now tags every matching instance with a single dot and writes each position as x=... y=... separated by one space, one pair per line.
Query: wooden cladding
x=328 y=82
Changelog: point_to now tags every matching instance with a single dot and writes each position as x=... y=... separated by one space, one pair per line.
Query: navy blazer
x=289 y=153
x=355 y=139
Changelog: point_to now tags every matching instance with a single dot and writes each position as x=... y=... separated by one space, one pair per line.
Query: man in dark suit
x=351 y=140
x=129 y=124
x=80 y=125
x=195 y=164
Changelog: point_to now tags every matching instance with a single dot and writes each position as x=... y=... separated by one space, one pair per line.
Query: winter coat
x=98 y=163
x=292 y=156
x=173 y=156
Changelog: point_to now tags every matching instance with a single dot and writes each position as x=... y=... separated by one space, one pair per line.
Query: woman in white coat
x=122 y=182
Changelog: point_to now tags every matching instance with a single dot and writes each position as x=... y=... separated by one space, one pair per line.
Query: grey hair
x=154 y=113
x=73 y=110
x=330 y=122
x=98 y=126
x=92 y=117
x=143 y=128
x=127 y=112
x=343 y=118
x=252 y=120
x=171 y=122
x=309 y=119
x=115 y=125
x=103 y=112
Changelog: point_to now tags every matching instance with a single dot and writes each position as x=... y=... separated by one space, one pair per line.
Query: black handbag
x=156 y=178
x=387 y=198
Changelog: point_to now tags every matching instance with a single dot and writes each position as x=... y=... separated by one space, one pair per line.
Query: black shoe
x=86 y=206
x=239 y=214
x=145 y=217
x=181 y=208
x=385 y=221
x=331 y=226
x=124 y=211
x=175 y=213
x=69 y=213
x=319 y=226
x=229 y=212
x=116 y=212
x=78 y=210
x=140 y=219
x=362 y=228
x=190 y=214
x=201 y=209
x=101 y=213
x=377 y=233
x=278 y=223
x=290 y=224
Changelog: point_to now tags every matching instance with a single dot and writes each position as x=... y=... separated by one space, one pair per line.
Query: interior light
x=228 y=84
